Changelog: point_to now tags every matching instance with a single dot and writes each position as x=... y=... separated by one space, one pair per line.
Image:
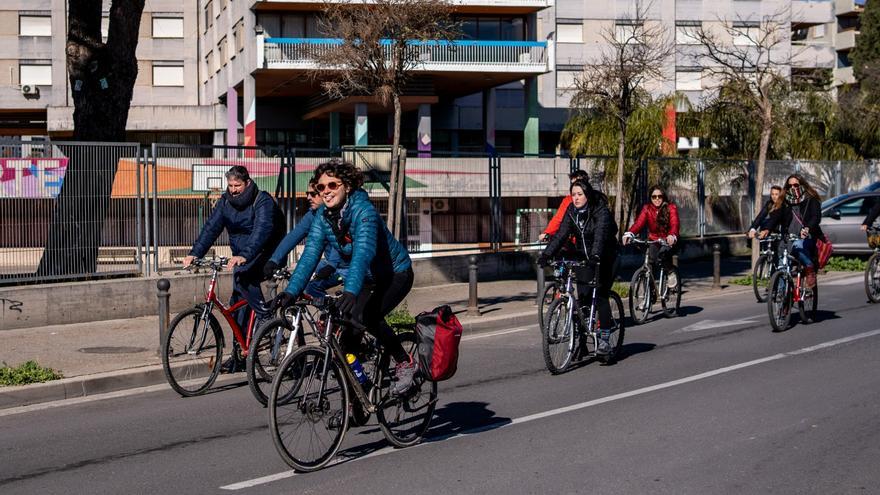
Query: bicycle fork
x=192 y=349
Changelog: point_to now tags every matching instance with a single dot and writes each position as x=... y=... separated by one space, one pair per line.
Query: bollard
x=541 y=285
x=716 y=266
x=164 y=285
x=473 y=308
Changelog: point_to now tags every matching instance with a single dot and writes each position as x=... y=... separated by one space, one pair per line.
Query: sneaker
x=810 y=278
x=603 y=346
x=334 y=422
x=232 y=365
x=671 y=280
x=405 y=378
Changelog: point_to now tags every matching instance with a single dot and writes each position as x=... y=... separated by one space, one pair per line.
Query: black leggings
x=585 y=290
x=659 y=252
x=372 y=306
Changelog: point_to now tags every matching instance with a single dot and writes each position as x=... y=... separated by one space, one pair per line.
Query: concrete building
x=845 y=32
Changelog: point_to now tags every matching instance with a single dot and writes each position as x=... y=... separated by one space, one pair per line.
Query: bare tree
x=616 y=83
x=381 y=44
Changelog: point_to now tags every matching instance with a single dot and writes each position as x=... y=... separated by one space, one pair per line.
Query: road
x=711 y=402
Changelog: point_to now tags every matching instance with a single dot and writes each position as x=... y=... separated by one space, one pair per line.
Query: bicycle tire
x=779 y=301
x=872 y=278
x=557 y=320
x=550 y=292
x=673 y=294
x=400 y=429
x=760 y=278
x=808 y=309
x=619 y=331
x=308 y=363
x=640 y=291
x=266 y=353
x=192 y=374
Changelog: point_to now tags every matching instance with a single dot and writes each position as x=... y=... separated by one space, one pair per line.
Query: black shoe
x=232 y=365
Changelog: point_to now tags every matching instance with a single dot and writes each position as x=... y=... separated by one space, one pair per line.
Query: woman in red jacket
x=661 y=218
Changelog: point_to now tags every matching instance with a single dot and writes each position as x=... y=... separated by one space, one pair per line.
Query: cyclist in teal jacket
x=349 y=223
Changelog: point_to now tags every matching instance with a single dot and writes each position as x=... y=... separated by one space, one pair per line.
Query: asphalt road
x=711 y=402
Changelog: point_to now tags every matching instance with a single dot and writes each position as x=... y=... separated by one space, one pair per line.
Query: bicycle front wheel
x=618 y=332
x=404 y=420
x=308 y=409
x=761 y=277
x=559 y=335
x=640 y=295
x=551 y=292
x=779 y=299
x=872 y=278
x=191 y=352
x=672 y=298
x=269 y=347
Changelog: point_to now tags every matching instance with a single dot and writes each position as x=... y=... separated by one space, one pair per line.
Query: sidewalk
x=118 y=354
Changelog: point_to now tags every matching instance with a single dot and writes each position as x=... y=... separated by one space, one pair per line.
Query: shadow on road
x=822 y=315
x=463 y=418
x=689 y=310
x=635 y=348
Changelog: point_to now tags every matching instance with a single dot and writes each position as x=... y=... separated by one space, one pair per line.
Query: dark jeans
x=585 y=277
x=372 y=306
x=246 y=285
x=662 y=253
x=317 y=288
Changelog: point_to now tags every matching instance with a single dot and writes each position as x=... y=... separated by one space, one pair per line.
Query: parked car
x=842 y=217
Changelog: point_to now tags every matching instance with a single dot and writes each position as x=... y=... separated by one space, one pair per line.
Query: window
x=686 y=35
x=689 y=81
x=819 y=31
x=35 y=74
x=570 y=33
x=33 y=25
x=167 y=27
x=209 y=18
x=167 y=75
x=209 y=62
x=625 y=33
x=222 y=51
x=745 y=35
x=566 y=79
x=237 y=36
x=858 y=207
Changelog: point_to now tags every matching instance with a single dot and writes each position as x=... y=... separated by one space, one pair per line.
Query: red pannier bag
x=439 y=333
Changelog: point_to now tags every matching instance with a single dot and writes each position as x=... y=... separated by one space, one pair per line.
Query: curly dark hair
x=663 y=216
x=350 y=176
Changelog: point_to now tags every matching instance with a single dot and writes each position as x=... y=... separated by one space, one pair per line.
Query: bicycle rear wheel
x=808 y=304
x=618 y=332
x=761 y=277
x=308 y=409
x=779 y=299
x=640 y=295
x=404 y=420
x=192 y=351
x=551 y=292
x=672 y=299
x=558 y=340
x=268 y=348
x=872 y=278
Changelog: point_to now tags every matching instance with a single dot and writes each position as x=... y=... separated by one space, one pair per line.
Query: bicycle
x=786 y=288
x=872 y=267
x=765 y=265
x=311 y=404
x=566 y=330
x=643 y=290
x=552 y=292
x=193 y=347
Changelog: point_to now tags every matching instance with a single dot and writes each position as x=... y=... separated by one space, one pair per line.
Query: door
x=843 y=221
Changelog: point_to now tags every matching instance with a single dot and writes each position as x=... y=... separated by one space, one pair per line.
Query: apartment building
x=844 y=32
x=35 y=92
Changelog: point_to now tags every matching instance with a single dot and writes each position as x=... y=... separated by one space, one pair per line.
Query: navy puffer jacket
x=365 y=241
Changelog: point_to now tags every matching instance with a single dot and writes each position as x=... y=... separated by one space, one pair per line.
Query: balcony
x=520 y=57
x=805 y=13
x=844 y=75
x=849 y=7
x=460 y=6
x=845 y=40
x=813 y=56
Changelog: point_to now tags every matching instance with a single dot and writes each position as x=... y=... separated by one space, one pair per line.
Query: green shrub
x=621 y=288
x=841 y=264
x=26 y=373
x=400 y=316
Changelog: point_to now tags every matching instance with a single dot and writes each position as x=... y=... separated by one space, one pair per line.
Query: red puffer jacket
x=648 y=218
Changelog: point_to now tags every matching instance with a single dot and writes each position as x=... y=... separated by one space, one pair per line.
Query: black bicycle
x=645 y=289
x=766 y=264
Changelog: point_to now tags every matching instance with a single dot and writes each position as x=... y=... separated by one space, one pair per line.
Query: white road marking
x=576 y=407
x=499 y=332
x=710 y=324
x=845 y=281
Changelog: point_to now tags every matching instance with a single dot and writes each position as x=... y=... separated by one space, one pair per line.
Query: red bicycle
x=192 y=351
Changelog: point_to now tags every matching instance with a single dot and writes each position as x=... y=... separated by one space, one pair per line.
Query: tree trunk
x=766 y=129
x=394 y=180
x=102 y=78
x=621 y=162
x=400 y=232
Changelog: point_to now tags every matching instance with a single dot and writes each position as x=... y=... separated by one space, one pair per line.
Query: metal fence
x=80 y=210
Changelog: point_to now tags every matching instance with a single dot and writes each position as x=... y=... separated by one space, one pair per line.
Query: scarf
x=243 y=200
x=794 y=195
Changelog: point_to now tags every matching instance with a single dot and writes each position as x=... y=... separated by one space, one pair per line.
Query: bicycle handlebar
x=636 y=240
x=573 y=263
x=213 y=263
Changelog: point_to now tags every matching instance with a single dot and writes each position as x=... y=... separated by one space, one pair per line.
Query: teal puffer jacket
x=365 y=241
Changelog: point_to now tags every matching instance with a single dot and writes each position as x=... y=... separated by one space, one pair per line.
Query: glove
x=325 y=272
x=283 y=300
x=595 y=258
x=346 y=303
x=543 y=260
x=269 y=269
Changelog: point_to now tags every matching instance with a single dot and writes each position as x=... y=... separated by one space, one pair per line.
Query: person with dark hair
x=591 y=223
x=799 y=212
x=255 y=225
x=660 y=216
x=349 y=223
x=872 y=216
x=758 y=222
x=331 y=269
x=556 y=221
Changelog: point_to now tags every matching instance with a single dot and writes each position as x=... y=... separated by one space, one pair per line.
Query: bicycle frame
x=228 y=312
x=589 y=325
x=661 y=277
x=791 y=266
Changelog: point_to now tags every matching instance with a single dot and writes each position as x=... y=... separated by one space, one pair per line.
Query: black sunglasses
x=312 y=194
x=656 y=196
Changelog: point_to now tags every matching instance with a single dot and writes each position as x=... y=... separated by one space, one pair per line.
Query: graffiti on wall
x=31 y=177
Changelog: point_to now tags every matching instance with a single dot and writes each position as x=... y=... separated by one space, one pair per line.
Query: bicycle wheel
x=268 y=348
x=308 y=409
x=640 y=295
x=779 y=298
x=618 y=332
x=404 y=420
x=550 y=293
x=192 y=351
x=761 y=276
x=872 y=278
x=672 y=299
x=808 y=304
x=558 y=340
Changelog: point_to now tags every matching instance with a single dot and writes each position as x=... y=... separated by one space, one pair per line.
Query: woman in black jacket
x=590 y=222
x=799 y=212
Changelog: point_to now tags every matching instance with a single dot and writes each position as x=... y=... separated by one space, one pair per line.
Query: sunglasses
x=330 y=186
x=312 y=194
x=656 y=196
x=792 y=185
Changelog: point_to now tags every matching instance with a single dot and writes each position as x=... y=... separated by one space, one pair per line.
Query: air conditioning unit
x=29 y=90
x=439 y=205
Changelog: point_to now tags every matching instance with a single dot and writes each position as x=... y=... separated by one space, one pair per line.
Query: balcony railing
x=431 y=56
x=489 y=4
